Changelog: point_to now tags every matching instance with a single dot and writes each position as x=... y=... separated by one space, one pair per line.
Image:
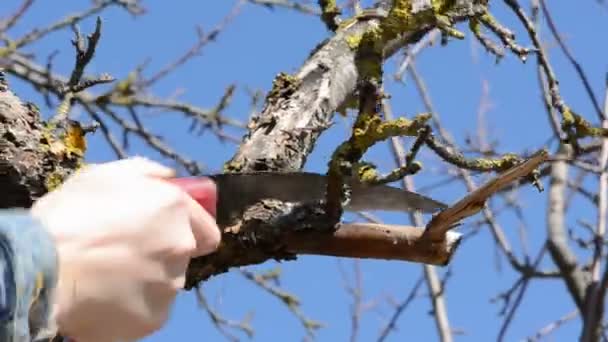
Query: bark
x=27 y=165
x=378 y=241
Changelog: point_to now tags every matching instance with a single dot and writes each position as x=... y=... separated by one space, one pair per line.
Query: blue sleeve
x=28 y=274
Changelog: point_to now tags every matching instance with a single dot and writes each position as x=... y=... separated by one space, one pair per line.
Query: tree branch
x=562 y=255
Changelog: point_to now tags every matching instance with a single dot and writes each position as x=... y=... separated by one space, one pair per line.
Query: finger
x=204 y=228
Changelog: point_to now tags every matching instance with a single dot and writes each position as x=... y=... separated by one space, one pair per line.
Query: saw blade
x=238 y=191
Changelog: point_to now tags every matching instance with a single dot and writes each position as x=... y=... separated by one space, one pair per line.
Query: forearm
x=28 y=261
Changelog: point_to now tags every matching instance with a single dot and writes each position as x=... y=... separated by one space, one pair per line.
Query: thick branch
x=28 y=167
x=562 y=255
x=284 y=230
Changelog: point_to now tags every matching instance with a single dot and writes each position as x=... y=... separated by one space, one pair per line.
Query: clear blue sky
x=260 y=43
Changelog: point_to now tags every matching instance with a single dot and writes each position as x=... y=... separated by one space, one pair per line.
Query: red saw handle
x=202 y=189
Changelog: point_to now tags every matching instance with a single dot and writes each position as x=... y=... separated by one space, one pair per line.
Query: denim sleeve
x=28 y=275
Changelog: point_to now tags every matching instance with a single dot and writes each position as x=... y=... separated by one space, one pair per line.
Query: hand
x=124 y=237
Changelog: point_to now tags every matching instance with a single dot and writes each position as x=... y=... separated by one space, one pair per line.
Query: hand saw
x=238 y=191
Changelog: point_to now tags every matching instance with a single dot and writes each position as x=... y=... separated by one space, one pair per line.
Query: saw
x=238 y=191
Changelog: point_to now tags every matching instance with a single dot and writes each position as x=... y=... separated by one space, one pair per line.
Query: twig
x=412 y=52
x=410 y=167
x=203 y=117
x=222 y=323
x=574 y=125
x=506 y=36
x=292 y=303
x=524 y=282
x=399 y=310
x=37 y=34
x=44 y=79
x=84 y=54
x=7 y=24
x=455 y=157
x=202 y=41
x=120 y=153
x=577 y=66
x=355 y=290
x=272 y=4
x=548 y=329
x=475 y=200
x=192 y=167
x=84 y=51
x=557 y=101
x=543 y=84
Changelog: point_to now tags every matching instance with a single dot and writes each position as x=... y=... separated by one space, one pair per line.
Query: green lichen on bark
x=367 y=172
x=65 y=141
x=233 y=167
x=401 y=19
x=29 y=163
x=10 y=48
x=455 y=157
x=330 y=13
x=353 y=40
x=505 y=162
x=369 y=56
x=122 y=93
x=67 y=144
x=283 y=86
x=53 y=180
x=577 y=127
x=369 y=127
x=475 y=27
x=349 y=153
x=369 y=130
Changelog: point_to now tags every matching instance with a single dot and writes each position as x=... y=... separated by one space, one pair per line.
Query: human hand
x=125 y=237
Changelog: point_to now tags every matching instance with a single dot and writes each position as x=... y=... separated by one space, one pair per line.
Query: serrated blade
x=237 y=191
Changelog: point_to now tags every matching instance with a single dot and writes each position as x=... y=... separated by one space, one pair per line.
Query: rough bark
x=27 y=165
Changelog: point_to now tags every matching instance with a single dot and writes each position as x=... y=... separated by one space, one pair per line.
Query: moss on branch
x=330 y=13
x=455 y=157
x=577 y=126
x=283 y=85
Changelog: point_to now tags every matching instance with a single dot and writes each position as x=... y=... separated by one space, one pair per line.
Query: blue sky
x=260 y=43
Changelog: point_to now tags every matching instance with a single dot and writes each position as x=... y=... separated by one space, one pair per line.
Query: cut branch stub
x=375 y=241
x=471 y=204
